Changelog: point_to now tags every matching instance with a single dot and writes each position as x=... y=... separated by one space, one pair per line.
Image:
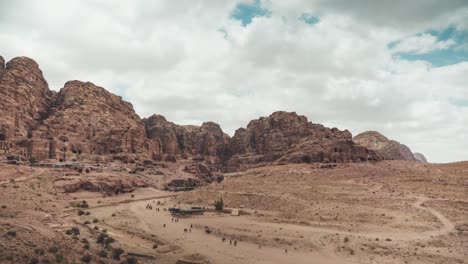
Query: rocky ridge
x=84 y=122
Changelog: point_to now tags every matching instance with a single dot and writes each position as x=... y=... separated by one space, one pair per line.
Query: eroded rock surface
x=290 y=138
x=388 y=149
x=419 y=157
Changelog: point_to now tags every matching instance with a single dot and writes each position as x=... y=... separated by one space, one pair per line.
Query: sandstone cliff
x=84 y=121
x=25 y=98
x=205 y=140
x=388 y=149
x=287 y=137
x=87 y=119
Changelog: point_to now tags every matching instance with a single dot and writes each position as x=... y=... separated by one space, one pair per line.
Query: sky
x=398 y=67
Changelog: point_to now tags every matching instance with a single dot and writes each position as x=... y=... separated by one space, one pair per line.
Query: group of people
x=230 y=241
x=150 y=207
x=189 y=230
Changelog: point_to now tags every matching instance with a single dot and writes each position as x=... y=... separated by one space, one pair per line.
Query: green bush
x=11 y=233
x=39 y=251
x=32 y=160
x=86 y=258
x=101 y=238
x=219 y=204
x=103 y=254
x=116 y=252
x=130 y=260
x=59 y=258
x=81 y=212
x=53 y=249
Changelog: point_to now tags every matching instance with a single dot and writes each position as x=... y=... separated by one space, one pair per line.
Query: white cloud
x=171 y=58
x=423 y=43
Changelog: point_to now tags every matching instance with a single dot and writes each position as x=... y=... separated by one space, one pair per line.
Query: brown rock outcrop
x=388 y=149
x=287 y=137
x=24 y=100
x=419 y=157
x=87 y=119
x=206 y=140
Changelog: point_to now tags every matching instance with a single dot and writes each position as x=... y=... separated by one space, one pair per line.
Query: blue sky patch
x=246 y=12
x=459 y=102
x=309 y=19
x=452 y=55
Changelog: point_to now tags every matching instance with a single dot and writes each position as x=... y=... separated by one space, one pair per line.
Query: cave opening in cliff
x=2 y=137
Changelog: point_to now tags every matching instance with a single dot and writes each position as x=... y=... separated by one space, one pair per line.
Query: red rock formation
x=206 y=140
x=388 y=149
x=287 y=137
x=25 y=98
x=87 y=119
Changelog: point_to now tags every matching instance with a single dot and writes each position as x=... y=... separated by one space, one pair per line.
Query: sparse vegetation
x=306 y=159
x=103 y=254
x=82 y=204
x=11 y=233
x=86 y=258
x=59 y=258
x=95 y=220
x=32 y=160
x=81 y=212
x=116 y=252
x=130 y=260
x=39 y=251
x=73 y=231
x=219 y=204
x=53 y=249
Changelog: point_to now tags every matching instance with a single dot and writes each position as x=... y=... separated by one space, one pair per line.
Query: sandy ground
x=390 y=212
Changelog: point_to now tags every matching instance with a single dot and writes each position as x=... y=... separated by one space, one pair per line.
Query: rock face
x=205 y=140
x=419 y=157
x=388 y=149
x=85 y=122
x=287 y=137
x=87 y=119
x=25 y=98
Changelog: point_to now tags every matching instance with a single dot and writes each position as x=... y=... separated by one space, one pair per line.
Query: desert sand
x=387 y=212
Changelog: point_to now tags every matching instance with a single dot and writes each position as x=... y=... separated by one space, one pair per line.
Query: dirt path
x=197 y=241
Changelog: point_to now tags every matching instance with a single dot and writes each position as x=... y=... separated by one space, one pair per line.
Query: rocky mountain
x=25 y=97
x=84 y=121
x=205 y=140
x=388 y=149
x=285 y=137
x=88 y=120
x=419 y=157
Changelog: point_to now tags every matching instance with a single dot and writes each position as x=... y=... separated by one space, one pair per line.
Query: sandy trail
x=197 y=241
